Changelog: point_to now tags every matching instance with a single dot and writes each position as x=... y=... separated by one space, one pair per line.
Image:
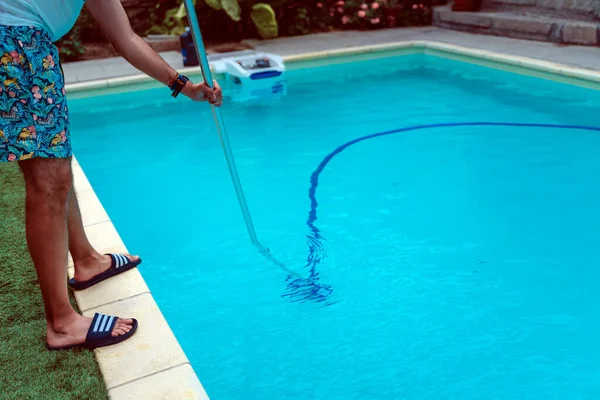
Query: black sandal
x=120 y=263
x=100 y=334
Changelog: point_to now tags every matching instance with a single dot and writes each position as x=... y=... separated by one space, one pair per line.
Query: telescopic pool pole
x=206 y=74
x=239 y=191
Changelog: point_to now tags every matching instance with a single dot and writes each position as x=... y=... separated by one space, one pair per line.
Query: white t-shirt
x=57 y=17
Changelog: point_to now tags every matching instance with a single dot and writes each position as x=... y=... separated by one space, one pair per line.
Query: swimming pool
x=462 y=259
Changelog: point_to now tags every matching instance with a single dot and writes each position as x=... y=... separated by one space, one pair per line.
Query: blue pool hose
x=316 y=252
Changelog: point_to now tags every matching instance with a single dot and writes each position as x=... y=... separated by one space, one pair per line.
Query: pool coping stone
x=522 y=65
x=152 y=364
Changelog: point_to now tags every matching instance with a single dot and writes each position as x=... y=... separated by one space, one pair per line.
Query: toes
x=131 y=258
x=125 y=322
x=121 y=329
x=118 y=332
x=123 y=326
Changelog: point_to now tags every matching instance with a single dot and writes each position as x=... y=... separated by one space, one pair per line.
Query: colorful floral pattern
x=34 y=118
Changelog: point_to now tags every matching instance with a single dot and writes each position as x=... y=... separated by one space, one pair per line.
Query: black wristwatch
x=177 y=84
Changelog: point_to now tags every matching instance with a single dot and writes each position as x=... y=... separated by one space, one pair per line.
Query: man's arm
x=115 y=24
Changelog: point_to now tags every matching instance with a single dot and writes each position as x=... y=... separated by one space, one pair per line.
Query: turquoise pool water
x=464 y=260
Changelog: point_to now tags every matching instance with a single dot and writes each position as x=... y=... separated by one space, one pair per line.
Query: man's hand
x=202 y=92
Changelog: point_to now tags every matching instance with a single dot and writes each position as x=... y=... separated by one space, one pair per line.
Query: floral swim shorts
x=34 y=119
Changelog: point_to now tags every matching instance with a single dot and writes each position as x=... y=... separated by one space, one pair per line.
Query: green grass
x=27 y=369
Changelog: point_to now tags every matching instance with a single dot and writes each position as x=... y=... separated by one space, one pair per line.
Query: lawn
x=27 y=369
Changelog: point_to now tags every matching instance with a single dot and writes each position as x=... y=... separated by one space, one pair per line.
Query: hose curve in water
x=310 y=288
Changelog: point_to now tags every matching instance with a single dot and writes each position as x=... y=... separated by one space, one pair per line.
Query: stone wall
x=582 y=7
x=533 y=27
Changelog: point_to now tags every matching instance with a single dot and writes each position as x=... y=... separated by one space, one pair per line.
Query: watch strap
x=177 y=84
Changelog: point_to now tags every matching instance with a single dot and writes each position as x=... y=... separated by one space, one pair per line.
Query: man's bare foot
x=87 y=268
x=73 y=330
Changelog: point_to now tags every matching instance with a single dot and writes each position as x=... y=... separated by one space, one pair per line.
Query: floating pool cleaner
x=299 y=288
x=250 y=74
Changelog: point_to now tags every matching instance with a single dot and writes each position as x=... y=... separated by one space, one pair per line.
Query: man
x=34 y=131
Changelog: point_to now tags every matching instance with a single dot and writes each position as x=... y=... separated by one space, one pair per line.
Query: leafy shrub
x=233 y=20
x=306 y=16
x=261 y=15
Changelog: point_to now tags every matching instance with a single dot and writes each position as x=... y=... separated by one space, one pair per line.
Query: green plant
x=263 y=17
x=414 y=13
x=233 y=20
x=232 y=8
x=301 y=23
x=367 y=14
x=158 y=12
x=216 y=4
x=174 y=22
x=261 y=14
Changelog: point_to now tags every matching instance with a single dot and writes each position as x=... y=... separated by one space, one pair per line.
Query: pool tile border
x=521 y=65
x=152 y=364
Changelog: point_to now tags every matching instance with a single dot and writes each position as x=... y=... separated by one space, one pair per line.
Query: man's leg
x=88 y=262
x=48 y=182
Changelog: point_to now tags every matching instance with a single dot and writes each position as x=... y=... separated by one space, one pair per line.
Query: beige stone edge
x=523 y=65
x=152 y=365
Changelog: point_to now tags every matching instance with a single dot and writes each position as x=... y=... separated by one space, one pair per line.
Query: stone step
x=581 y=6
x=516 y=25
x=535 y=11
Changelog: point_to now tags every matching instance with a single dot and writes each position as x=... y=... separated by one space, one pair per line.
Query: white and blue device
x=250 y=74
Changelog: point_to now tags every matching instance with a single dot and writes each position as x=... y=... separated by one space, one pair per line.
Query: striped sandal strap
x=119 y=260
x=101 y=327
